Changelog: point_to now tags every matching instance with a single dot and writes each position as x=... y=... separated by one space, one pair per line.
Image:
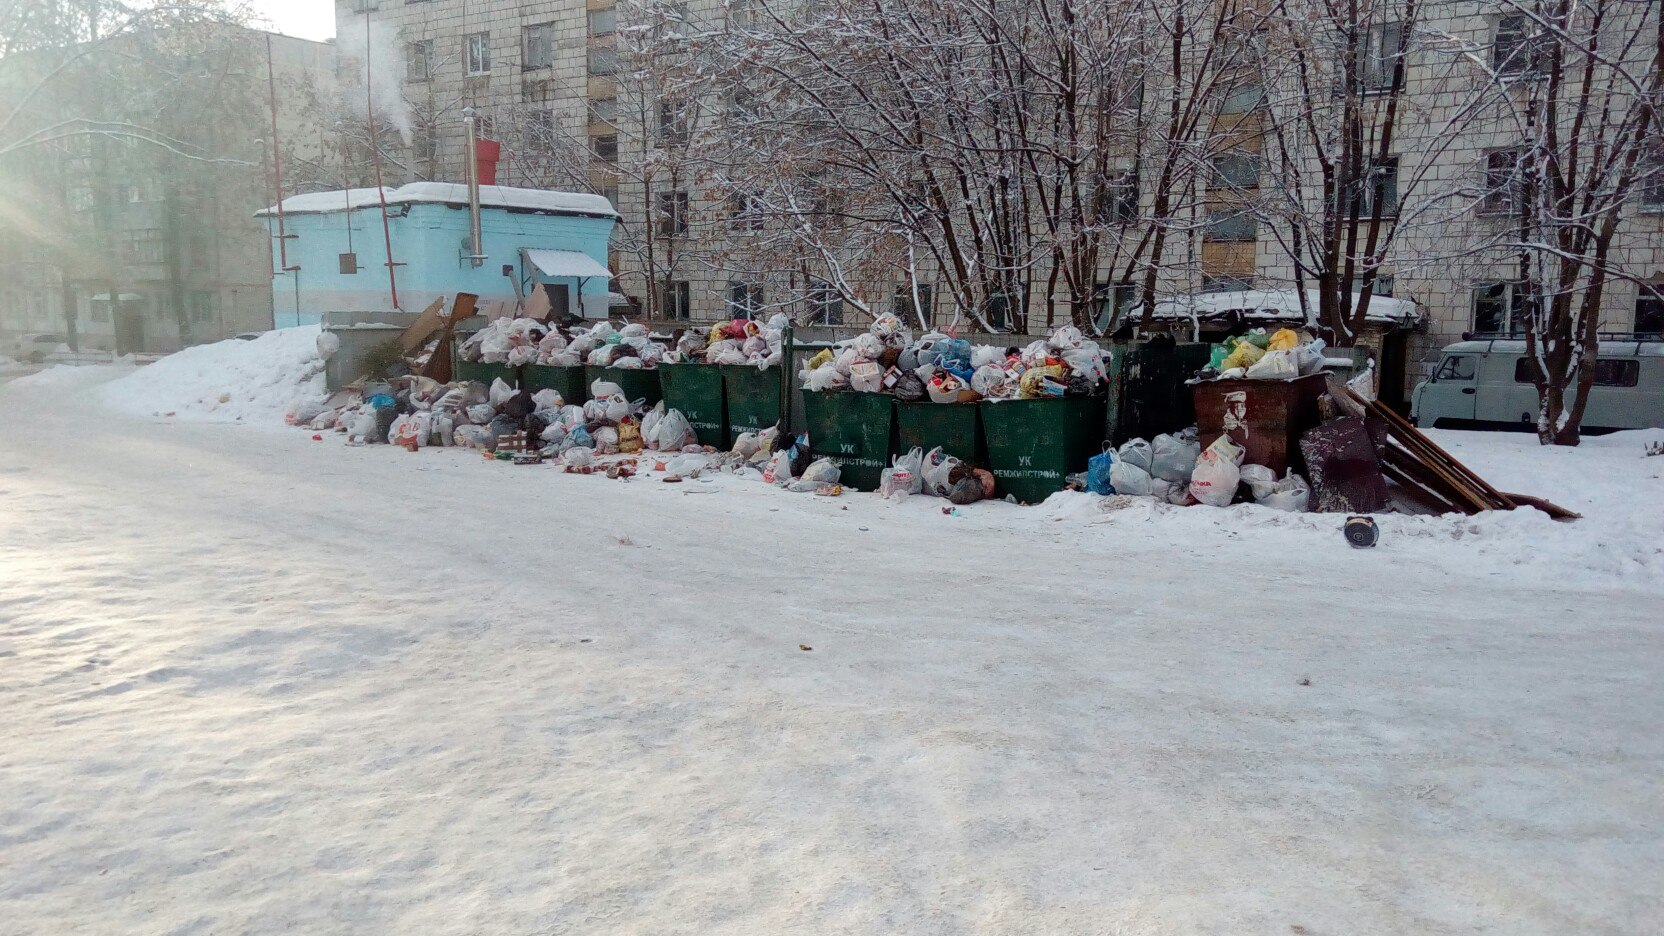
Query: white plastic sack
x=500 y=393
x=1216 y=476
x=606 y=440
x=866 y=376
x=746 y=444
x=822 y=471
x=1087 y=361
x=440 y=429
x=617 y=407
x=1292 y=494
x=1128 y=478
x=673 y=432
x=826 y=377
x=577 y=458
x=937 y=467
x=547 y=400
x=1274 y=365
x=1173 y=458
x=601 y=389
x=1308 y=358
x=779 y=470
x=1260 y=480
x=1136 y=452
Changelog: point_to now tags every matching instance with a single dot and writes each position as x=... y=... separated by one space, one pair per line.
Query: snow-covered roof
x=449 y=193
x=1275 y=305
x=337 y=200
x=564 y=263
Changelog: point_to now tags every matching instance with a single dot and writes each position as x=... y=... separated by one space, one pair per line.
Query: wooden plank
x=1406 y=469
x=431 y=320
x=1412 y=489
x=1553 y=510
x=1405 y=430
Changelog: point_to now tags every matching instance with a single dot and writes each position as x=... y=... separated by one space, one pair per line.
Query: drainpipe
x=471 y=172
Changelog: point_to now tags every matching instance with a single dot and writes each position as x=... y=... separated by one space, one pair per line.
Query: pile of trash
x=1257 y=355
x=946 y=369
x=417 y=411
x=1176 y=469
x=518 y=341
x=935 y=474
x=741 y=341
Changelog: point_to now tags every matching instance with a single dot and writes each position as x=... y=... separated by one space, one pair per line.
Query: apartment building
x=544 y=76
x=145 y=239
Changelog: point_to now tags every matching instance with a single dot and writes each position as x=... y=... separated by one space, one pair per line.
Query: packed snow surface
x=255 y=683
x=252 y=381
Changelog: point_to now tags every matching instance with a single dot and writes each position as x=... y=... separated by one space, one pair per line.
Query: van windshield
x=1456 y=367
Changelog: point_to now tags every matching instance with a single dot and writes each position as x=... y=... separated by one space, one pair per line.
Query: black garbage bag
x=534 y=424
x=501 y=426
x=518 y=406
x=909 y=388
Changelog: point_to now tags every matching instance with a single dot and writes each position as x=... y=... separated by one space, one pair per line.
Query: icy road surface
x=251 y=683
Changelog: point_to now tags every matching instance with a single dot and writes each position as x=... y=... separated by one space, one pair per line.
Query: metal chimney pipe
x=476 y=244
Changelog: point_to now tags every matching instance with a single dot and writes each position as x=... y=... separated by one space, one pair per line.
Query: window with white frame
x=1500 y=308
x=1503 y=176
x=825 y=302
x=677 y=300
x=1378 y=57
x=476 y=49
x=1518 y=47
x=745 y=298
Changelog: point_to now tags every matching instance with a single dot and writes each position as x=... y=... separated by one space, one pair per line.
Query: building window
x=1499 y=309
x=1518 y=49
x=673 y=125
x=610 y=193
x=81 y=198
x=1652 y=179
x=826 y=304
x=603 y=60
x=907 y=309
x=606 y=147
x=202 y=307
x=1379 y=55
x=1225 y=224
x=1384 y=174
x=1502 y=184
x=146 y=246
x=745 y=212
x=1243 y=99
x=604 y=110
x=1001 y=306
x=1383 y=285
x=1118 y=198
x=1226 y=282
x=541 y=127
x=418 y=60
x=603 y=22
x=1114 y=303
x=673 y=213
x=1237 y=169
x=745 y=299
x=676 y=300
x=1649 y=310
x=540 y=45
x=476 y=48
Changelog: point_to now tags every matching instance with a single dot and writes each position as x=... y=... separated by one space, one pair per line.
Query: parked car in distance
x=34 y=348
x=1486 y=383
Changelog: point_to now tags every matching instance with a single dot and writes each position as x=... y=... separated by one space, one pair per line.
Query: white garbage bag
x=1260 y=480
x=1172 y=458
x=1128 y=478
x=1216 y=476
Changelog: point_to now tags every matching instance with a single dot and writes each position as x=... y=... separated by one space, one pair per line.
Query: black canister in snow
x=1361 y=532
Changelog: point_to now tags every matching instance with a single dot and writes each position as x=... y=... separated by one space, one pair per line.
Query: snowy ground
x=254 y=683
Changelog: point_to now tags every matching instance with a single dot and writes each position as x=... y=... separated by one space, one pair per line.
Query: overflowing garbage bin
x=955 y=428
x=637 y=384
x=853 y=430
x=753 y=398
x=696 y=390
x=567 y=381
x=1033 y=445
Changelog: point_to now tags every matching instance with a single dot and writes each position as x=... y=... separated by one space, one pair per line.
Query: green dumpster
x=954 y=427
x=852 y=429
x=567 y=381
x=480 y=371
x=486 y=373
x=753 y=397
x=1033 y=444
x=637 y=384
x=696 y=390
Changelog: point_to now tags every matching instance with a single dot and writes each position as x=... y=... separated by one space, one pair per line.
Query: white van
x=1486 y=383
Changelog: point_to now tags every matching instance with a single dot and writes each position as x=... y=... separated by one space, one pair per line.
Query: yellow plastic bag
x=1284 y=340
x=1243 y=356
x=824 y=357
x=1028 y=388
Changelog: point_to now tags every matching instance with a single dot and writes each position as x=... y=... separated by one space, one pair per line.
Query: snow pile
x=228 y=381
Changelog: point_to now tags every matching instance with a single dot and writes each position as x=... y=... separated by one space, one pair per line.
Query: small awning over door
x=565 y=263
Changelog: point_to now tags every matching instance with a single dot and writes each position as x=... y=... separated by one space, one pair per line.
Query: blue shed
x=332 y=256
